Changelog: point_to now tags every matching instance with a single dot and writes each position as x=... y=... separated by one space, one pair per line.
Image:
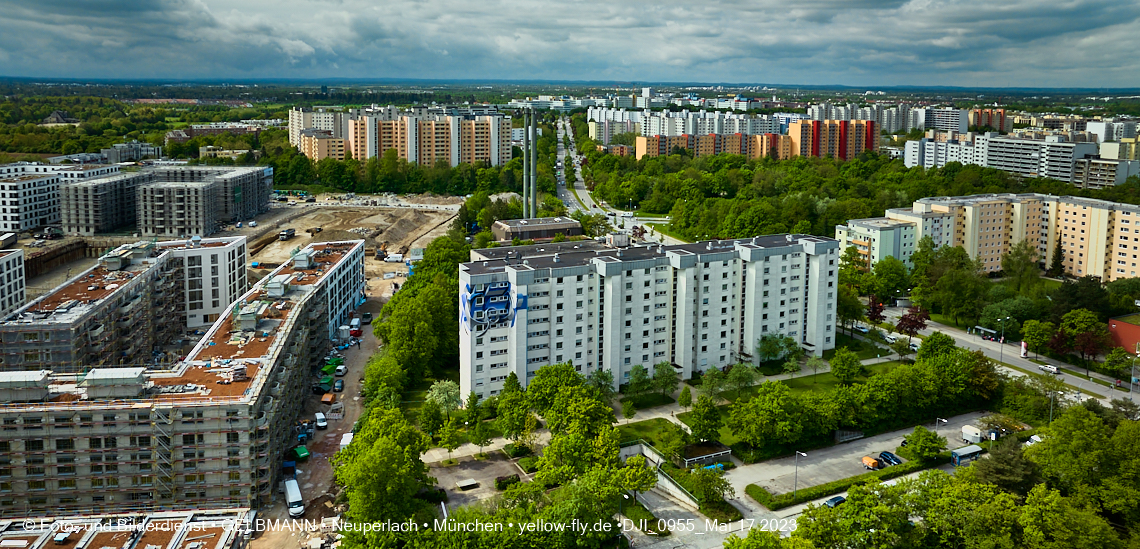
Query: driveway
x=835 y=462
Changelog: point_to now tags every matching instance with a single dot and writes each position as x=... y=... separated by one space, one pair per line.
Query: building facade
x=103 y=204
x=208 y=430
x=12 y=289
x=321 y=144
x=196 y=200
x=839 y=139
x=427 y=138
x=696 y=306
x=877 y=238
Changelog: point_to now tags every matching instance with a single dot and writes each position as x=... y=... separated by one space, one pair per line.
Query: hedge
x=775 y=503
x=516 y=450
x=502 y=483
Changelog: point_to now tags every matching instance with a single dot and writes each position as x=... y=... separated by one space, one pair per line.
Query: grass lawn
x=944 y=319
x=664 y=229
x=649 y=430
x=1130 y=319
x=649 y=400
x=651 y=215
x=864 y=349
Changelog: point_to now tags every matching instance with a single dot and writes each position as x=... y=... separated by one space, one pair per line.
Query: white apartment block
x=29 y=200
x=696 y=306
x=878 y=237
x=333 y=119
x=1110 y=130
x=947 y=119
x=12 y=290
x=1100 y=173
x=1051 y=157
x=209 y=429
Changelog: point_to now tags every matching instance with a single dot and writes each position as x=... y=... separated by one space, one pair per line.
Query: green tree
x=511 y=384
x=901 y=348
x=912 y=322
x=602 y=381
x=848 y=308
x=446 y=395
x=791 y=367
x=686 y=398
x=637 y=475
x=705 y=421
x=1086 y=333
x=472 y=407
x=513 y=413
x=1119 y=363
x=431 y=418
x=1057 y=261
x=846 y=366
x=549 y=379
x=382 y=471
x=814 y=363
x=1007 y=468
x=774 y=415
x=891 y=279
x=1050 y=521
x=713 y=382
x=664 y=377
x=936 y=344
x=967 y=514
x=873 y=516
x=449 y=437
x=1037 y=333
x=639 y=382
x=852 y=268
x=925 y=444
x=674 y=440
x=1074 y=449
x=1020 y=265
x=740 y=377
x=709 y=485
x=479 y=435
x=577 y=408
x=628 y=410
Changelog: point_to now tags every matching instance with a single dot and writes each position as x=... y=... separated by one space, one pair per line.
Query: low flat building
x=539 y=228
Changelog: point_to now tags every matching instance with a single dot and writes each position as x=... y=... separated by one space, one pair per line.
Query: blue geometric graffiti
x=481 y=309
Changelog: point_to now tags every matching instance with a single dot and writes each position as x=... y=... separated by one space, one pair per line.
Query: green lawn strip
x=719 y=510
x=667 y=232
x=1024 y=371
x=652 y=215
x=574 y=190
x=649 y=400
x=863 y=349
x=944 y=319
x=635 y=511
x=777 y=502
x=649 y=430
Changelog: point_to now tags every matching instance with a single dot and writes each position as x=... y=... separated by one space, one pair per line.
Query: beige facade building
x=1097 y=237
x=429 y=138
x=321 y=144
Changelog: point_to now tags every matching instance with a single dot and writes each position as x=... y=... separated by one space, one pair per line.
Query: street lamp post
x=1001 y=344
x=796 y=482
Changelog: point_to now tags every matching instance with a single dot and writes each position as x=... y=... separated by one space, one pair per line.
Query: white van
x=1049 y=369
x=293 y=499
x=342 y=370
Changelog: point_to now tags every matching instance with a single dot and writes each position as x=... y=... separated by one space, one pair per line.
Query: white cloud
x=856 y=42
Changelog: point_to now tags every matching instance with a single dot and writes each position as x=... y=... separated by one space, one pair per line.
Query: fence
x=665 y=483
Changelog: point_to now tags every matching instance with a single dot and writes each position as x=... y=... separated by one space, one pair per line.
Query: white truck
x=394 y=258
x=972 y=434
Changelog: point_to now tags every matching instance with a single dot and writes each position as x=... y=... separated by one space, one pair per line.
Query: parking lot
x=482 y=472
x=835 y=462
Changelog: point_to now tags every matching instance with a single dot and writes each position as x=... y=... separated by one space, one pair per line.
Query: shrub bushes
x=529 y=464
x=774 y=503
x=515 y=450
x=502 y=483
x=432 y=494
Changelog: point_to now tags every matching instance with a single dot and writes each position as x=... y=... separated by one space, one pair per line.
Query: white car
x=322 y=423
x=914 y=346
x=890 y=338
x=1033 y=440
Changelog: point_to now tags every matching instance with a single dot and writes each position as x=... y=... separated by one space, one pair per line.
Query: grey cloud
x=858 y=42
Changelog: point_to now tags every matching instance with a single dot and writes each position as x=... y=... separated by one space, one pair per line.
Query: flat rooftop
x=538 y=222
x=201 y=529
x=880 y=223
x=542 y=256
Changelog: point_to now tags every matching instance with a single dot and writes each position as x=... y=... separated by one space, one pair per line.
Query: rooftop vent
x=556 y=259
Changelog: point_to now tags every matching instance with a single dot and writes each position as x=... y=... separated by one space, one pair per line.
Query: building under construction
x=208 y=430
x=132 y=308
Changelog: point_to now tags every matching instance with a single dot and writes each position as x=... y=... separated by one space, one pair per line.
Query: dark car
x=835 y=501
x=889 y=458
x=366 y=318
x=338 y=387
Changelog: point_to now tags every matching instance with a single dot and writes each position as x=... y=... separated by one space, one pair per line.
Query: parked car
x=914 y=346
x=862 y=329
x=835 y=501
x=366 y=318
x=890 y=338
x=322 y=423
x=871 y=463
x=341 y=370
x=338 y=387
x=889 y=458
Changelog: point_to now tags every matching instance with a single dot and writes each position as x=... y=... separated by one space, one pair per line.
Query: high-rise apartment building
x=878 y=237
x=947 y=119
x=429 y=138
x=841 y=139
x=330 y=119
x=995 y=119
x=196 y=200
x=29 y=200
x=1096 y=237
x=209 y=429
x=321 y=144
x=696 y=306
x=103 y=204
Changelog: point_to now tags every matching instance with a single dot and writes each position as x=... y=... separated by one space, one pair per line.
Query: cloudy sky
x=992 y=43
